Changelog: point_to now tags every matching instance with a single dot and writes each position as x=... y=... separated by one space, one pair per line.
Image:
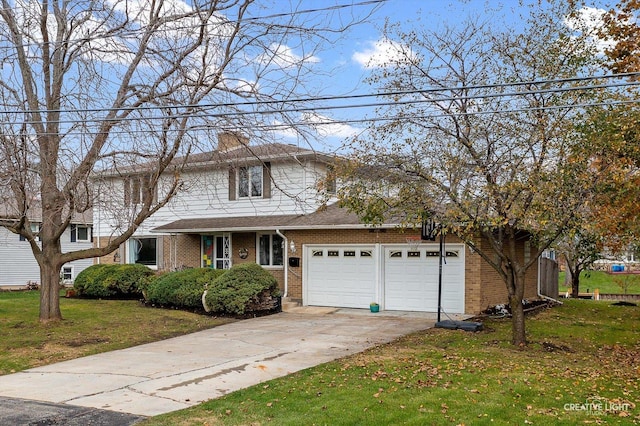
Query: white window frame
x=251 y=172
x=77 y=236
x=133 y=250
x=258 y=252
x=62 y=274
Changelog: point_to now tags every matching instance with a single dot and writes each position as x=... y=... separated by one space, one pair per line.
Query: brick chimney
x=228 y=141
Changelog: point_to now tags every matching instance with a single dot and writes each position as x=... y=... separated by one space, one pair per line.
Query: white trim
x=73 y=276
x=281 y=228
x=270 y=234
x=77 y=237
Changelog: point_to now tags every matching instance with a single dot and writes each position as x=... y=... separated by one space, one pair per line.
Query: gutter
x=285 y=262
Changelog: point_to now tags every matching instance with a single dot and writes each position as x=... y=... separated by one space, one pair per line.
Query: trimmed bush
x=242 y=289
x=111 y=281
x=182 y=289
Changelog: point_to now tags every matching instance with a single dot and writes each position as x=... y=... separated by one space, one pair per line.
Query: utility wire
x=367 y=95
x=329 y=122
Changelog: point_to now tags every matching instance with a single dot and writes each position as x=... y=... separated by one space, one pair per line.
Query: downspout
x=97 y=233
x=286 y=262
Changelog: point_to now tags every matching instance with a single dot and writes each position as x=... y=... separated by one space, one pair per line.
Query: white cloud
x=383 y=53
x=588 y=21
x=284 y=57
x=327 y=127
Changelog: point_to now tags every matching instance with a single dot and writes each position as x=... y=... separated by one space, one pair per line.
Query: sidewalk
x=177 y=373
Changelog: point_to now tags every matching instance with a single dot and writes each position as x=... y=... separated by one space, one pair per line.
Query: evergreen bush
x=111 y=281
x=182 y=289
x=242 y=289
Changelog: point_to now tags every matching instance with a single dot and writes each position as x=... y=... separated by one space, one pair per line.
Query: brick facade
x=483 y=285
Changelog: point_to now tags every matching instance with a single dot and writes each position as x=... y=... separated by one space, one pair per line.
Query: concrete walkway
x=177 y=373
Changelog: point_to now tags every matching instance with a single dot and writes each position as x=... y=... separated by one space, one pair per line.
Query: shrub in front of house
x=111 y=281
x=181 y=289
x=244 y=288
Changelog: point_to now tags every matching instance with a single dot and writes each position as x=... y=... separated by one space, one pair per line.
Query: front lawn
x=581 y=367
x=89 y=327
x=604 y=282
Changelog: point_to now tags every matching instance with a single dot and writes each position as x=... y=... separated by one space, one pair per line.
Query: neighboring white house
x=18 y=267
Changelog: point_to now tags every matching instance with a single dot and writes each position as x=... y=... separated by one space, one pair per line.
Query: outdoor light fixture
x=429 y=228
x=292 y=246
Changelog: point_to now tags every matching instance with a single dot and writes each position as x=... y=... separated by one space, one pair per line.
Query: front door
x=216 y=251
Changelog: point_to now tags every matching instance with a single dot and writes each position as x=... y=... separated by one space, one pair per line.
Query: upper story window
x=250 y=182
x=331 y=185
x=135 y=188
x=80 y=233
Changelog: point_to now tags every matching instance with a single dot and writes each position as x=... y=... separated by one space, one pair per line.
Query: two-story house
x=262 y=204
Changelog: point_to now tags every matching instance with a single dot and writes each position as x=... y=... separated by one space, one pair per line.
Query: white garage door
x=411 y=278
x=341 y=276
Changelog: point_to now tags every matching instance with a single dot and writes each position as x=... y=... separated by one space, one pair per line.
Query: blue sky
x=348 y=57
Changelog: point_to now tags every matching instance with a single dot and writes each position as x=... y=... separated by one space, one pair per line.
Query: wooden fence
x=549 y=277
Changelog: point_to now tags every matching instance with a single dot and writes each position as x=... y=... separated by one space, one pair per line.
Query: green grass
x=583 y=349
x=89 y=327
x=606 y=283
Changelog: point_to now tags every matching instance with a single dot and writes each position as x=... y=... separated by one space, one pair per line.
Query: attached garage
x=411 y=278
x=343 y=276
x=398 y=276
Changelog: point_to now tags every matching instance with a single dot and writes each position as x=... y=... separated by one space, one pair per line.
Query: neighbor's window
x=80 y=233
x=67 y=273
x=270 y=250
x=35 y=228
x=143 y=251
x=250 y=181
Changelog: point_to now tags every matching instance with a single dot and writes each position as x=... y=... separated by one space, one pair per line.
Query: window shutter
x=232 y=184
x=266 y=180
x=91 y=230
x=73 y=233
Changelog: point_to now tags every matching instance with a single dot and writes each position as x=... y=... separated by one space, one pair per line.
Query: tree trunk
x=516 y=295
x=49 y=262
x=518 y=334
x=49 y=292
x=575 y=285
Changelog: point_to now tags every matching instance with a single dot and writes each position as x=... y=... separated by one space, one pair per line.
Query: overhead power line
x=431 y=90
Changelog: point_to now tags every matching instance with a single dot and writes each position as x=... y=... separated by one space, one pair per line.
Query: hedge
x=111 y=281
x=242 y=287
x=181 y=289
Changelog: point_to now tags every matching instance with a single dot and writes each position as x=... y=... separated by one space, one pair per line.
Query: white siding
x=18 y=266
x=206 y=194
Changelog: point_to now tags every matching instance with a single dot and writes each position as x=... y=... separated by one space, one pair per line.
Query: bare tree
x=132 y=87
x=476 y=134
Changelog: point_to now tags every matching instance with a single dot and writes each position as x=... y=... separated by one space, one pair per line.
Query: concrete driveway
x=177 y=373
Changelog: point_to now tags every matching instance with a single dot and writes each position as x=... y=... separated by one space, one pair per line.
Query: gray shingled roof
x=328 y=217
x=272 y=152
